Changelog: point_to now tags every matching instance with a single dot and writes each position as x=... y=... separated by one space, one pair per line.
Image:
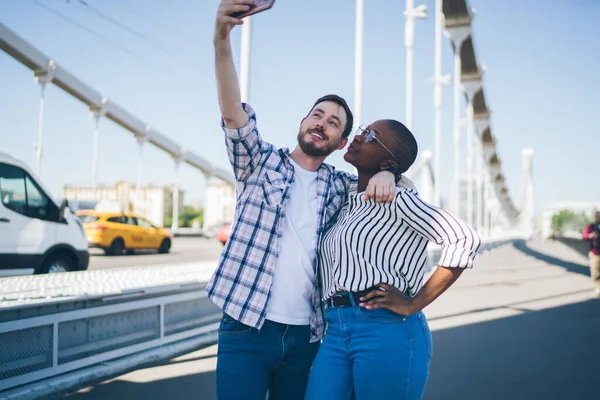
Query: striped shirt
x=242 y=282
x=375 y=243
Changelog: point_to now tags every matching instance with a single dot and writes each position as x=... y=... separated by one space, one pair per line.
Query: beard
x=311 y=149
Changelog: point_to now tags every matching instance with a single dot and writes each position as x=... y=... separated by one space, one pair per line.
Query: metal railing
x=44 y=346
x=41 y=343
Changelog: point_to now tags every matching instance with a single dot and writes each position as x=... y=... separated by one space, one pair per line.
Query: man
x=266 y=283
x=591 y=233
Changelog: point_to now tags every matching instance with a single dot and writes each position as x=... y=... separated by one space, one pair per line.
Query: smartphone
x=258 y=6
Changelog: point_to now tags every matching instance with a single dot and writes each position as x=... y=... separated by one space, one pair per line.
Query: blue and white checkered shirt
x=242 y=282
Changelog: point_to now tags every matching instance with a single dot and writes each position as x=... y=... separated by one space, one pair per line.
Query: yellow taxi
x=116 y=233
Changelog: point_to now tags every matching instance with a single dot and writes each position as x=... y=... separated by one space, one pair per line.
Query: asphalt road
x=521 y=325
x=184 y=250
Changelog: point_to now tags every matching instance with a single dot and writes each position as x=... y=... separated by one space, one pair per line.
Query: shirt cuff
x=456 y=257
x=244 y=131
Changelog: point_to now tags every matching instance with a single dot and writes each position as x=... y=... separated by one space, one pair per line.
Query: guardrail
x=99 y=330
x=579 y=245
x=60 y=345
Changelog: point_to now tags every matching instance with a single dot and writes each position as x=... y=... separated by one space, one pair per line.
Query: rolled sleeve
x=459 y=241
x=456 y=256
x=246 y=130
x=244 y=146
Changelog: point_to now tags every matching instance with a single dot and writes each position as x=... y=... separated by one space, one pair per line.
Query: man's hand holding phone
x=225 y=22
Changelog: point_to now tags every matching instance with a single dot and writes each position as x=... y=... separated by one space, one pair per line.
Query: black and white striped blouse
x=374 y=243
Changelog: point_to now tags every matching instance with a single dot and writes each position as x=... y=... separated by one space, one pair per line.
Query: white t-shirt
x=290 y=300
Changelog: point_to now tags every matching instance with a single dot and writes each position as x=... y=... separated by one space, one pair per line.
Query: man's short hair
x=342 y=103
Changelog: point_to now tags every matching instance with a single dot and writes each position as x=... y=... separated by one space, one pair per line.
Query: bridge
x=485 y=203
x=521 y=325
x=495 y=332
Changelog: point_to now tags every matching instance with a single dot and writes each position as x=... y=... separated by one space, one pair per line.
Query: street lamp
x=411 y=12
x=43 y=78
x=97 y=111
x=358 y=62
x=458 y=34
x=438 y=80
x=245 y=60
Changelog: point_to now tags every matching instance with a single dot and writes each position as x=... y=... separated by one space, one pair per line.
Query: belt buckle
x=333 y=300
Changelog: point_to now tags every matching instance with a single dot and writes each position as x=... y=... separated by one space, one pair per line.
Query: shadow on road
x=521 y=245
x=199 y=386
x=548 y=354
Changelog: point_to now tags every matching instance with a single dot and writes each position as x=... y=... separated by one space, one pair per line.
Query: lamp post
x=458 y=34
x=175 y=222
x=97 y=112
x=141 y=140
x=358 y=62
x=43 y=78
x=471 y=87
x=411 y=12
x=245 y=59
x=438 y=80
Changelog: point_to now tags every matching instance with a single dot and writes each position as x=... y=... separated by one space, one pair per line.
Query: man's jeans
x=379 y=354
x=250 y=362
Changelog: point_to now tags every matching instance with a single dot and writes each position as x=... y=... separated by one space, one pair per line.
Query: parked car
x=223 y=234
x=116 y=233
x=37 y=233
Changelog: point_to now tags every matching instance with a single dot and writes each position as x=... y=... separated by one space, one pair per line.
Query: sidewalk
x=521 y=325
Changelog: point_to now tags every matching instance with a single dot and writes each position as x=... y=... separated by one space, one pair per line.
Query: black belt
x=342 y=299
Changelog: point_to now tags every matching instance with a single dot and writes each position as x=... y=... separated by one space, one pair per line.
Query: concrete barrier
x=54 y=328
x=579 y=245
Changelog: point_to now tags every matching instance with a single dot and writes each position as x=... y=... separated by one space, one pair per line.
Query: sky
x=155 y=58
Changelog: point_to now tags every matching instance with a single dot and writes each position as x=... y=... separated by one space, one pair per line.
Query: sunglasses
x=370 y=136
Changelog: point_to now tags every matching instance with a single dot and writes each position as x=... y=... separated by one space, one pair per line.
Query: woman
x=377 y=343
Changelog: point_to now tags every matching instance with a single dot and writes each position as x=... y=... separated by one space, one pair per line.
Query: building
x=155 y=203
x=219 y=203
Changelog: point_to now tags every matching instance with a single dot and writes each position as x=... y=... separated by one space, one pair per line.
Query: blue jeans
x=251 y=362
x=371 y=354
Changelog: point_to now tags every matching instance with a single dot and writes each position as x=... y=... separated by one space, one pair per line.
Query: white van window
x=21 y=194
x=37 y=202
x=12 y=188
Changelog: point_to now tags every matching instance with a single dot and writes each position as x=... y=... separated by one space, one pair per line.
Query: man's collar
x=329 y=168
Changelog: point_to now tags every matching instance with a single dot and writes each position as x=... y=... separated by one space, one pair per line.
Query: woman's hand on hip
x=388 y=297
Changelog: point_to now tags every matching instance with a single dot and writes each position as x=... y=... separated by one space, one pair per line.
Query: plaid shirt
x=242 y=282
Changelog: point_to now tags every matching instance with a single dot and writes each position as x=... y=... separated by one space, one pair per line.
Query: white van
x=36 y=234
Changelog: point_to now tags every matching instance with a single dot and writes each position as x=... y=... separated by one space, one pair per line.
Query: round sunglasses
x=369 y=136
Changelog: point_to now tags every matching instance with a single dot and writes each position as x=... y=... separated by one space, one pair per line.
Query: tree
x=187 y=217
x=567 y=220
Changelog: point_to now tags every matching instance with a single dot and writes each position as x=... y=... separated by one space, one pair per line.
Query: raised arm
x=245 y=146
x=228 y=89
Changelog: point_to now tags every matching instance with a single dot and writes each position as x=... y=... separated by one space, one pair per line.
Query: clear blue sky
x=542 y=83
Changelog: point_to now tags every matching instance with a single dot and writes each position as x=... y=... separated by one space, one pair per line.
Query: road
x=521 y=325
x=184 y=250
